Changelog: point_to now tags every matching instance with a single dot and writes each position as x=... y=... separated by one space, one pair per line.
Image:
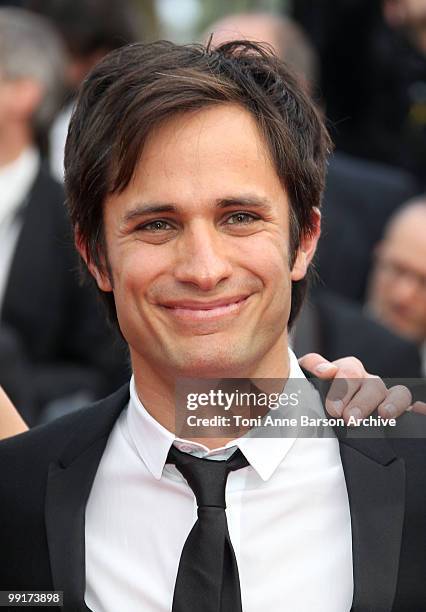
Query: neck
x=159 y=389
x=14 y=139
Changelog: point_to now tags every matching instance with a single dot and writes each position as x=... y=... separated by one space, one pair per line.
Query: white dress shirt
x=288 y=517
x=16 y=180
x=57 y=138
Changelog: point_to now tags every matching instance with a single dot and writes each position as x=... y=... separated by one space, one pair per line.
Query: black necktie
x=207 y=579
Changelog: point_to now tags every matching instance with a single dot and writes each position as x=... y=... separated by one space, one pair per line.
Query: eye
x=242 y=218
x=158 y=225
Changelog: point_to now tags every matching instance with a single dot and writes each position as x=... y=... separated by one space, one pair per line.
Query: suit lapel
x=69 y=483
x=375 y=481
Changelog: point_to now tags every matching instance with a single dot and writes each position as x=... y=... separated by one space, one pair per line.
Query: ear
x=307 y=247
x=102 y=279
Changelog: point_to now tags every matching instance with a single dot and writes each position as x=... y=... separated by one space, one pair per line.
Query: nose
x=202 y=259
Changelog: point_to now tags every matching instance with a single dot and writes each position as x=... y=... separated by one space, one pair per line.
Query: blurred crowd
x=364 y=61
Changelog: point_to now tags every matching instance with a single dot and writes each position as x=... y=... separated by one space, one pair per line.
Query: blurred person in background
x=89 y=29
x=373 y=67
x=284 y=35
x=37 y=91
x=53 y=341
x=397 y=289
x=359 y=196
x=398 y=104
x=409 y=15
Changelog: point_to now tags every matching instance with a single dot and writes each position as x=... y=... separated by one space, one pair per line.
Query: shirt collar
x=16 y=179
x=153 y=441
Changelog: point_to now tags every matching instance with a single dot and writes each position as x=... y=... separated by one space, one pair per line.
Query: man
x=194 y=178
x=397 y=290
x=52 y=335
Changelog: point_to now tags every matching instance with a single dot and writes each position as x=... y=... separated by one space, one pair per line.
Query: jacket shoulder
x=27 y=455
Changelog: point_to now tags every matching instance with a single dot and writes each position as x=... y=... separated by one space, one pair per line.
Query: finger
x=350 y=367
x=419 y=407
x=396 y=402
x=316 y=364
x=370 y=395
x=351 y=374
x=341 y=391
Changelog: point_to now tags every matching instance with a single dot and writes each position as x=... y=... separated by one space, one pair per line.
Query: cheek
x=382 y=287
x=134 y=268
x=269 y=260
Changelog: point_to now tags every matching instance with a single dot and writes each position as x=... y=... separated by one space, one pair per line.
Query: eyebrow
x=142 y=209
x=246 y=201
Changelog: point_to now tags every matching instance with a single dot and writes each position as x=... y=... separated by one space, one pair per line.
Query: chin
x=212 y=363
x=401 y=326
x=410 y=334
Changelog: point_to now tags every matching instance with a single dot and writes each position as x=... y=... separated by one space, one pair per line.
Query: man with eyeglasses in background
x=397 y=288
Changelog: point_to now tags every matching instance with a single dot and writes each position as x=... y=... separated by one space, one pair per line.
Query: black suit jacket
x=47 y=474
x=58 y=323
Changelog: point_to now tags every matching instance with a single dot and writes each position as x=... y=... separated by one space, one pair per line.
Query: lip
x=200 y=305
x=193 y=310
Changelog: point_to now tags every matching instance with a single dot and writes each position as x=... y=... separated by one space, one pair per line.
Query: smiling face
x=198 y=249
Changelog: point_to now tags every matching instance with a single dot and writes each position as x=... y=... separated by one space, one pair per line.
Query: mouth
x=202 y=311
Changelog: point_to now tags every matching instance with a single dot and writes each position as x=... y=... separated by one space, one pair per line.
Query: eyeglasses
x=396 y=271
